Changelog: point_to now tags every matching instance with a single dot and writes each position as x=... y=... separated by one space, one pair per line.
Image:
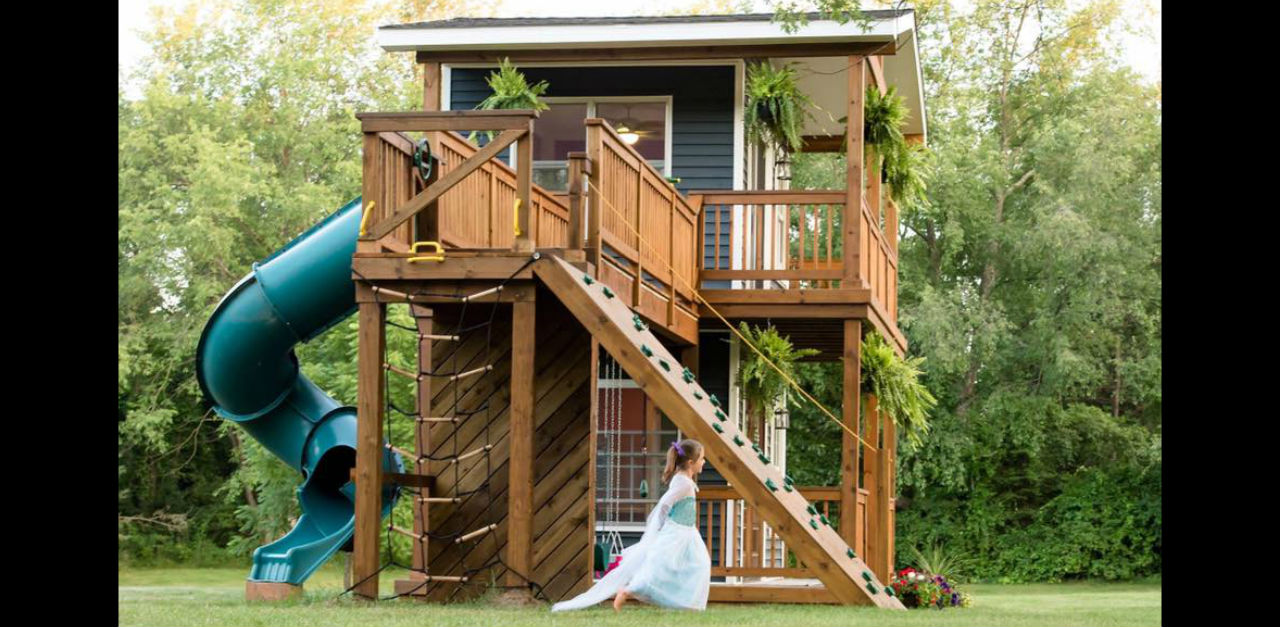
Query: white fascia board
x=635 y=35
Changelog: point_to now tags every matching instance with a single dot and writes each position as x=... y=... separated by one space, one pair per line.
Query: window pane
x=556 y=133
x=646 y=119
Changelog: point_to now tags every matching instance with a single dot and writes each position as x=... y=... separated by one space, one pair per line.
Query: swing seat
x=601 y=559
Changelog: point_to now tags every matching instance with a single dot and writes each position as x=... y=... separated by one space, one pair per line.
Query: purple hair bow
x=676 y=445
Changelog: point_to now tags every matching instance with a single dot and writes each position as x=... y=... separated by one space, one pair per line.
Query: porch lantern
x=782 y=167
x=781 y=419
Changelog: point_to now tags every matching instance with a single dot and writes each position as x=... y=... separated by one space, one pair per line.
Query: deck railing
x=466 y=200
x=747 y=547
x=641 y=232
x=791 y=239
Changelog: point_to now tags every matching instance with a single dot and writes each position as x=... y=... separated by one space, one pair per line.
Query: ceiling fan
x=630 y=129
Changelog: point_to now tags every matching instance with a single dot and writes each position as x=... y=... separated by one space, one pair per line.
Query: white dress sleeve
x=681 y=487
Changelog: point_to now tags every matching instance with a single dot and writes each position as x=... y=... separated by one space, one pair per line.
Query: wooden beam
x=437 y=189
x=425 y=322
x=657 y=53
x=852 y=376
x=853 y=173
x=369 y=448
x=822 y=143
x=519 y=559
x=772 y=197
x=887 y=468
x=462 y=120
x=766 y=593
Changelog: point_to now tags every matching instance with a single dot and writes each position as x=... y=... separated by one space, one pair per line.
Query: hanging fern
x=760 y=382
x=896 y=384
x=512 y=91
x=776 y=108
x=902 y=165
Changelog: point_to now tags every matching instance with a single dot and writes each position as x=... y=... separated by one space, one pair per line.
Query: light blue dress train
x=669 y=566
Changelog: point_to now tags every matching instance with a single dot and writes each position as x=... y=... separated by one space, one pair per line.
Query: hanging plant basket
x=776 y=109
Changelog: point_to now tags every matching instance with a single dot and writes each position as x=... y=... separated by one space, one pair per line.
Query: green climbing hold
x=608 y=293
x=737 y=440
x=721 y=416
x=755 y=447
x=646 y=350
x=824 y=520
x=763 y=458
x=787 y=487
x=888 y=591
x=587 y=279
x=717 y=427
x=664 y=364
x=813 y=523
x=715 y=402
x=697 y=395
x=770 y=484
x=812 y=511
x=866 y=575
x=687 y=375
x=872 y=589
x=788 y=479
x=851 y=554
x=640 y=326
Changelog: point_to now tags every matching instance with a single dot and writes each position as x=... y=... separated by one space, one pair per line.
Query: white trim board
x=754 y=32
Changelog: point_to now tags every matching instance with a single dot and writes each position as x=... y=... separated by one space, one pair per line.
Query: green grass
x=215 y=596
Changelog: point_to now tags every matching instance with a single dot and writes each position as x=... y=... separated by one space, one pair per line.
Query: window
x=559 y=131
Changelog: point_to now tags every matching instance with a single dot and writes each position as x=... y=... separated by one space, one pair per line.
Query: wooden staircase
x=675 y=391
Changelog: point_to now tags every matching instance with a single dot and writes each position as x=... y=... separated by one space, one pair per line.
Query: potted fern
x=893 y=383
x=760 y=382
x=511 y=91
x=898 y=163
x=776 y=108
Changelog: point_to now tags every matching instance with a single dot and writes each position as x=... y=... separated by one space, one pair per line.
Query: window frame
x=591 y=102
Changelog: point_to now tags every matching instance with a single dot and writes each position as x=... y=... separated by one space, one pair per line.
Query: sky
x=1141 y=52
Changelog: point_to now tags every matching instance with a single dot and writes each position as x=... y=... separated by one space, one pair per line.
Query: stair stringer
x=821 y=549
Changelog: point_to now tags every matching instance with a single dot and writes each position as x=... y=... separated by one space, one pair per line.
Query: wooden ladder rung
x=470 y=454
x=468 y=373
x=453 y=419
x=482 y=294
x=439 y=499
x=475 y=534
x=402 y=372
x=446 y=338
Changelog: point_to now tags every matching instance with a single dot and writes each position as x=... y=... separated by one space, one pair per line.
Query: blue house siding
x=701 y=111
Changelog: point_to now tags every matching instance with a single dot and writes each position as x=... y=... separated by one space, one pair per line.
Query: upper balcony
x=678 y=213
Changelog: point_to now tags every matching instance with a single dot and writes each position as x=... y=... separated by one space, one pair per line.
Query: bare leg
x=619 y=599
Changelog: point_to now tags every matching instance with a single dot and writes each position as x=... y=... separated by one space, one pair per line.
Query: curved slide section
x=247 y=368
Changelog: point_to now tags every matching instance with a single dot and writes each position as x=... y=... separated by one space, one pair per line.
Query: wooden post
x=369 y=448
x=594 y=204
x=891 y=224
x=873 y=185
x=371 y=190
x=524 y=179
x=519 y=559
x=888 y=465
x=850 y=529
x=641 y=249
x=873 y=479
x=421 y=515
x=431 y=86
x=852 y=278
x=579 y=166
x=592 y=440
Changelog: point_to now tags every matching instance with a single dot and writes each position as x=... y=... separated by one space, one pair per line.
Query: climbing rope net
x=465 y=378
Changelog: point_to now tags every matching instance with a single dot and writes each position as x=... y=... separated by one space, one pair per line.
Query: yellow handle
x=368 y=211
x=437 y=254
x=516 y=216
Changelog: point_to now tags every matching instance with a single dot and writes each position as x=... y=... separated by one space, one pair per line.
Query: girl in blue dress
x=670 y=565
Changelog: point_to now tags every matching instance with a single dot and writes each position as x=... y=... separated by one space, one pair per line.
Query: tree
x=244 y=135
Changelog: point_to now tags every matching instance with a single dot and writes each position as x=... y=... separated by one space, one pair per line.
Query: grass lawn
x=215 y=596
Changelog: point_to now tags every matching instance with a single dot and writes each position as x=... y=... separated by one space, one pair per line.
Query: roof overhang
x=635 y=32
x=822 y=46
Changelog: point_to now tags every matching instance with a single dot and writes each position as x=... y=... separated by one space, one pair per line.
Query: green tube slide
x=247 y=368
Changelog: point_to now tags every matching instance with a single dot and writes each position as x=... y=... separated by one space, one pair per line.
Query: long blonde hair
x=679 y=456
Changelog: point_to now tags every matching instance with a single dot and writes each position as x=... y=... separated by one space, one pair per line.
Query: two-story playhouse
x=570 y=318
